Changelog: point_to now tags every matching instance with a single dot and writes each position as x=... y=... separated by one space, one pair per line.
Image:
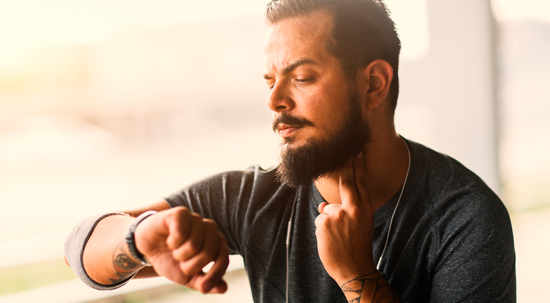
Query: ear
x=374 y=82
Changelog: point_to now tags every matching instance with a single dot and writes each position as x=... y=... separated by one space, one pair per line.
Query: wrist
x=130 y=239
x=352 y=275
x=371 y=287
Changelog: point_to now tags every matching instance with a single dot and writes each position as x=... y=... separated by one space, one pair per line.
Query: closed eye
x=304 y=80
x=270 y=83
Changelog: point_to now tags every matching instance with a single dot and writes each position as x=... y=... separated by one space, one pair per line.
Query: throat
x=330 y=191
x=383 y=181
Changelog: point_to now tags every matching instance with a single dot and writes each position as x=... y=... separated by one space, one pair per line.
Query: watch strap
x=131 y=238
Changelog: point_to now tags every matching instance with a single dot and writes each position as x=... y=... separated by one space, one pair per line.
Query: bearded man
x=355 y=212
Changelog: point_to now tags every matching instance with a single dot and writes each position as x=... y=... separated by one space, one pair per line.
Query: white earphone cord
x=288 y=232
x=395 y=209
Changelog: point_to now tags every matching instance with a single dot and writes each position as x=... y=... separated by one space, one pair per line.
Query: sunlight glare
x=30 y=24
x=510 y=10
x=411 y=20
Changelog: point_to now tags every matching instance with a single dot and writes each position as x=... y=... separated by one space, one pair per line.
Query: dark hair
x=363 y=32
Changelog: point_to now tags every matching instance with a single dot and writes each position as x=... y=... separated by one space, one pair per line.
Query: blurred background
x=110 y=105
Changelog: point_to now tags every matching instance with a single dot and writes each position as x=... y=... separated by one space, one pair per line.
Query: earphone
x=395 y=209
x=288 y=234
x=289 y=230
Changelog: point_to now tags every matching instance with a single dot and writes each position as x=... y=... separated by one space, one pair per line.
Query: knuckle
x=181 y=212
x=197 y=221
x=210 y=225
x=174 y=240
x=194 y=245
x=339 y=214
x=178 y=255
x=354 y=212
x=178 y=219
x=322 y=222
x=188 y=268
x=318 y=220
x=176 y=224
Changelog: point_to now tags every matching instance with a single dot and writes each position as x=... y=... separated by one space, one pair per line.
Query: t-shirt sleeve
x=74 y=251
x=476 y=257
x=225 y=198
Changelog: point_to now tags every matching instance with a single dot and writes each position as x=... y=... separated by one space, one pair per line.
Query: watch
x=131 y=239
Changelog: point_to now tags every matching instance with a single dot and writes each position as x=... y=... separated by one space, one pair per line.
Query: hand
x=345 y=232
x=179 y=244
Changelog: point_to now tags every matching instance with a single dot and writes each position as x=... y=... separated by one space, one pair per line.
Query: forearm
x=179 y=244
x=90 y=247
x=369 y=288
x=106 y=257
x=78 y=241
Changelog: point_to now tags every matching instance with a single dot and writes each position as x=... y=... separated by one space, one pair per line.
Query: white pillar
x=456 y=83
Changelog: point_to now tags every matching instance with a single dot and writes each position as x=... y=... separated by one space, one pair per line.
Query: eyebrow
x=292 y=67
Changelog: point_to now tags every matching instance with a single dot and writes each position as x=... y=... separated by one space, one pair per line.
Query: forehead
x=298 y=38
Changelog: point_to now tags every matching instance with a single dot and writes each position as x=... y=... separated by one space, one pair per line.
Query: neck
x=387 y=162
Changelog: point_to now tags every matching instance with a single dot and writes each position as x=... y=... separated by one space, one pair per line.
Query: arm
x=344 y=237
x=106 y=257
x=369 y=288
x=175 y=241
x=476 y=257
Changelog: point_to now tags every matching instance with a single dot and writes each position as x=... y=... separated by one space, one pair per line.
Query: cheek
x=324 y=104
x=331 y=107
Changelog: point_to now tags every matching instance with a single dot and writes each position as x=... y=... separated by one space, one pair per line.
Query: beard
x=319 y=157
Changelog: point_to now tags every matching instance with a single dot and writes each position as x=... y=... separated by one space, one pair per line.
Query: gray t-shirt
x=451 y=239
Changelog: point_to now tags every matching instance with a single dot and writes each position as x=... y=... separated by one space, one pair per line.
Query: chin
x=286 y=142
x=298 y=138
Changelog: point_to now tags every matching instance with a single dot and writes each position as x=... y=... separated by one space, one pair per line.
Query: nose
x=279 y=99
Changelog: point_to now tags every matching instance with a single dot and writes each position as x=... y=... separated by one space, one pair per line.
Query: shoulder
x=465 y=208
x=473 y=258
x=448 y=184
x=236 y=180
x=249 y=188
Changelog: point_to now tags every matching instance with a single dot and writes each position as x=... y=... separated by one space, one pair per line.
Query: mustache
x=290 y=120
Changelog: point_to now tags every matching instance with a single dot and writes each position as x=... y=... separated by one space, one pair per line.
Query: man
x=368 y=216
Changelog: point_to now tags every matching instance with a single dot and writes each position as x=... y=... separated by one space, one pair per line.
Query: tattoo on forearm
x=123 y=263
x=369 y=288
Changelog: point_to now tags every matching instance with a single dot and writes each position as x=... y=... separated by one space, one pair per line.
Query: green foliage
x=28 y=276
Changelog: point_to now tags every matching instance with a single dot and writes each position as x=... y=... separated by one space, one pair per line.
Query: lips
x=286 y=130
x=286 y=125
